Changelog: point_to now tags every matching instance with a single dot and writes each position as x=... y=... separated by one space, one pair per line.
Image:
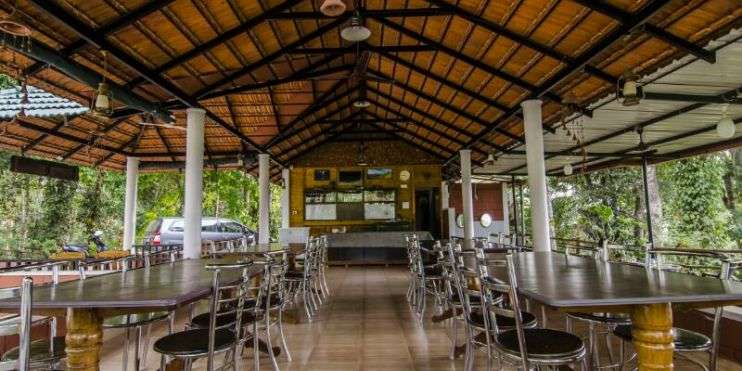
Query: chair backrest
x=21 y=327
x=225 y=303
x=491 y=285
x=272 y=286
x=693 y=262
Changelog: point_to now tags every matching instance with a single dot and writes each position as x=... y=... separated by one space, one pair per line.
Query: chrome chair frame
x=23 y=363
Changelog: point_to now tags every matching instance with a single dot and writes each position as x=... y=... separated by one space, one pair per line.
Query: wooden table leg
x=652 y=336
x=84 y=338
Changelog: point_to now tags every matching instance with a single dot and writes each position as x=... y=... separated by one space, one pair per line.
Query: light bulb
x=332 y=8
x=356 y=32
x=568 y=169
x=725 y=128
x=102 y=103
x=362 y=103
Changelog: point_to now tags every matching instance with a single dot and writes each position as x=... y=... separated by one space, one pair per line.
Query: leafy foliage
x=38 y=215
x=699 y=201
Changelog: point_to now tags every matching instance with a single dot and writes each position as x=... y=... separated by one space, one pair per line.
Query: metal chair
x=224 y=333
x=304 y=281
x=23 y=328
x=139 y=321
x=599 y=324
x=39 y=354
x=470 y=268
x=687 y=341
x=529 y=346
x=426 y=279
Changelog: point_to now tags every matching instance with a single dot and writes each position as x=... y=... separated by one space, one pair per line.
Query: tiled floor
x=366 y=325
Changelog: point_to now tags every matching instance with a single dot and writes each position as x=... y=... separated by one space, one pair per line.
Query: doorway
x=426 y=211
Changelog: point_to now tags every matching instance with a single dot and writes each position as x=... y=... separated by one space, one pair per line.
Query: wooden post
x=84 y=338
x=652 y=336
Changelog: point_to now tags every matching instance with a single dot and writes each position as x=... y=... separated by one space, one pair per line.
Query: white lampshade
x=361 y=103
x=102 y=103
x=332 y=8
x=356 y=32
x=568 y=169
x=725 y=128
x=490 y=158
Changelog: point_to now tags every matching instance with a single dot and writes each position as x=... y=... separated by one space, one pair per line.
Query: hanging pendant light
x=356 y=32
x=490 y=159
x=725 y=128
x=332 y=8
x=361 y=103
x=568 y=170
x=630 y=91
x=102 y=103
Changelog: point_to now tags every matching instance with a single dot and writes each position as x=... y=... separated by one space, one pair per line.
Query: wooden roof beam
x=456 y=54
x=411 y=133
x=415 y=144
x=298 y=76
x=227 y=35
x=328 y=97
x=373 y=48
x=520 y=39
x=118 y=24
x=387 y=13
x=71 y=68
x=641 y=17
x=90 y=35
x=94 y=138
x=269 y=58
x=446 y=106
x=624 y=17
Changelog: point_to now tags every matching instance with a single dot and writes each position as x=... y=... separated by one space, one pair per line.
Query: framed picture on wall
x=378 y=173
x=321 y=174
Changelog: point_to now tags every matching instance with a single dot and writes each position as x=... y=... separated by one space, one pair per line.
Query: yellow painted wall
x=302 y=178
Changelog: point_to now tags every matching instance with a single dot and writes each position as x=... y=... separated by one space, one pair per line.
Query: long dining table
x=85 y=303
x=580 y=284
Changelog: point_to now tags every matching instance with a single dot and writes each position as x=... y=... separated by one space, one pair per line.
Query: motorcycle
x=95 y=238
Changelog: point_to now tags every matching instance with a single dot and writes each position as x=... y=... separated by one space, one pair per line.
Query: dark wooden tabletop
x=163 y=286
x=569 y=281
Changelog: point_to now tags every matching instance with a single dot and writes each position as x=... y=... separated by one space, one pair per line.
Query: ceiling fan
x=149 y=120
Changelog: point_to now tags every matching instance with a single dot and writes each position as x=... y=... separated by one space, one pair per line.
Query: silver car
x=169 y=231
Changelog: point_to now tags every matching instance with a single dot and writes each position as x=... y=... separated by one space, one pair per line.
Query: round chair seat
x=504 y=322
x=40 y=355
x=542 y=344
x=194 y=343
x=607 y=318
x=134 y=320
x=201 y=321
x=684 y=340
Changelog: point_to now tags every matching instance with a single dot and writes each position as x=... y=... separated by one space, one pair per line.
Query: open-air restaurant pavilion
x=402 y=134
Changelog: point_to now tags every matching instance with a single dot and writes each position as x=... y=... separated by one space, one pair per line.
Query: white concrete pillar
x=130 y=202
x=505 y=209
x=536 y=174
x=444 y=195
x=466 y=195
x=264 y=198
x=194 y=172
x=285 y=196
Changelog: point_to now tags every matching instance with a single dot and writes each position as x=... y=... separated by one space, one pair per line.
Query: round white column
x=444 y=195
x=194 y=172
x=130 y=202
x=285 y=199
x=264 y=198
x=536 y=174
x=466 y=195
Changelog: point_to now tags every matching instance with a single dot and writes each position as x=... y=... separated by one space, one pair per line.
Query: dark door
x=426 y=211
